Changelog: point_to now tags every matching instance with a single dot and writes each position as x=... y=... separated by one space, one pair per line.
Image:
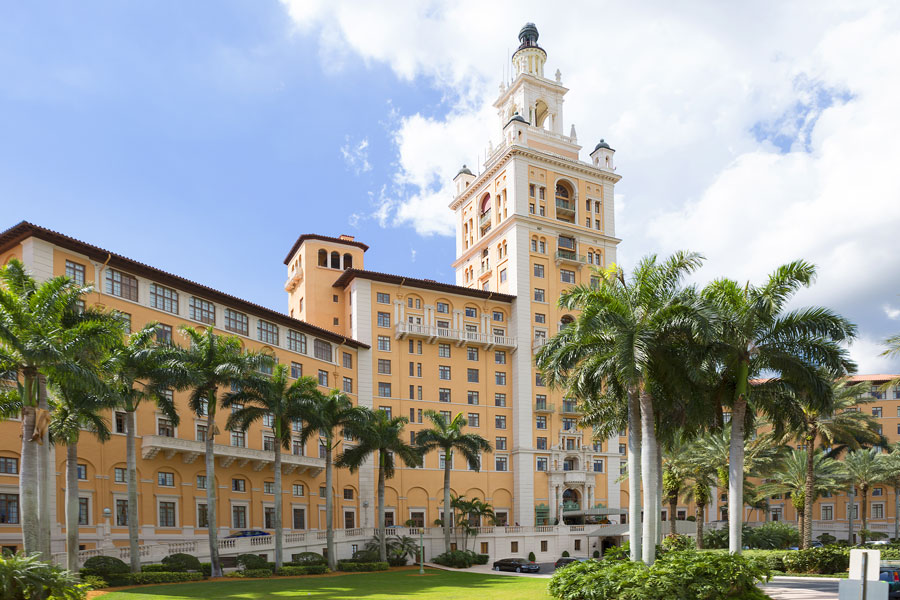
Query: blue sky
x=203 y=137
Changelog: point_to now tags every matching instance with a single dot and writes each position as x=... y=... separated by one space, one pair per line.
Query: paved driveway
x=802 y=588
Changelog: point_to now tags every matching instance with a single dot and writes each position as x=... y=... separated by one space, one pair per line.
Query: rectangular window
x=348 y=360
x=75 y=272
x=83 y=516
x=201 y=433
x=268 y=487
x=567 y=276
x=120 y=475
x=876 y=412
x=540 y=463
x=296 y=370
x=201 y=482
x=472 y=375
x=472 y=397
x=499 y=357
x=541 y=443
x=444 y=351
x=827 y=512
x=382 y=298
x=598 y=465
x=500 y=463
x=348 y=385
x=238 y=485
x=167 y=514
x=500 y=421
x=500 y=400
x=269 y=443
x=471 y=312
x=442 y=307
x=9 y=466
x=444 y=395
x=568 y=424
x=237 y=322
x=81 y=471
x=203 y=310
x=538 y=295
x=471 y=353
x=384 y=389
x=164 y=333
x=238 y=439
x=119 y=426
x=878 y=511
x=541 y=422
x=384 y=319
x=502 y=275
x=267 y=332
x=622 y=449
x=165 y=428
x=165 y=479
x=500 y=378
x=500 y=443
x=298 y=489
x=323 y=378
x=539 y=271
x=239 y=517
x=384 y=343
x=121 y=284
x=299 y=518
x=322 y=350
x=202 y=516
x=163 y=298
x=296 y=341
x=121 y=513
x=538 y=380
x=473 y=420
x=384 y=366
x=444 y=372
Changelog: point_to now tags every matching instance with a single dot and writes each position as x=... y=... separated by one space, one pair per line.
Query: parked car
x=891 y=574
x=248 y=533
x=568 y=560
x=519 y=565
x=878 y=543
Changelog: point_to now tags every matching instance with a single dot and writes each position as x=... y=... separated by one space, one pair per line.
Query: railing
x=565 y=205
x=569 y=408
x=353 y=532
x=485 y=269
x=543 y=407
x=570 y=256
x=262 y=540
x=455 y=334
x=484 y=218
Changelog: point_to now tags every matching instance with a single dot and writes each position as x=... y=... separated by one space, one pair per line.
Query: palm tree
x=792 y=476
x=323 y=415
x=865 y=468
x=893 y=480
x=209 y=363
x=676 y=473
x=135 y=369
x=41 y=329
x=276 y=401
x=701 y=480
x=627 y=336
x=837 y=422
x=756 y=336
x=382 y=434
x=446 y=436
x=75 y=411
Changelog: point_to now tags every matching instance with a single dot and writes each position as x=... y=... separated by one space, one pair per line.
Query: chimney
x=346 y=238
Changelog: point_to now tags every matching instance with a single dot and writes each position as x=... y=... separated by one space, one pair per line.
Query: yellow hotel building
x=534 y=221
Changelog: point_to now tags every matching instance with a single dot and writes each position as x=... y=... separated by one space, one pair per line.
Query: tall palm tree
x=135 y=370
x=865 y=468
x=208 y=364
x=74 y=411
x=790 y=477
x=446 y=436
x=41 y=329
x=676 y=472
x=323 y=416
x=835 y=421
x=757 y=335
x=627 y=334
x=382 y=434
x=276 y=401
x=893 y=480
x=702 y=478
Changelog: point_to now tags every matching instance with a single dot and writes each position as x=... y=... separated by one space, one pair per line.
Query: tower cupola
x=529 y=57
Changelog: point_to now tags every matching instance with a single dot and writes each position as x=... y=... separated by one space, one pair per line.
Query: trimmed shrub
x=531 y=556
x=251 y=561
x=163 y=577
x=680 y=574
x=482 y=559
x=673 y=543
x=596 y=554
x=351 y=566
x=824 y=561
x=565 y=554
x=206 y=569
x=397 y=561
x=458 y=559
x=250 y=573
x=293 y=570
x=181 y=563
x=94 y=582
x=366 y=556
x=104 y=565
x=774 y=535
x=155 y=569
x=308 y=558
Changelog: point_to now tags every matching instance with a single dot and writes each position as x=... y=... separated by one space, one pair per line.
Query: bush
x=163 y=577
x=774 y=535
x=617 y=552
x=351 y=566
x=673 y=543
x=482 y=559
x=248 y=573
x=679 y=574
x=157 y=568
x=181 y=563
x=308 y=558
x=596 y=554
x=25 y=577
x=826 y=539
x=565 y=554
x=104 y=565
x=396 y=560
x=366 y=556
x=458 y=559
x=206 y=569
x=94 y=582
x=292 y=570
x=824 y=561
x=251 y=561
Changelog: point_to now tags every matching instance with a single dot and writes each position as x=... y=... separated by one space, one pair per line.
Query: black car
x=248 y=533
x=568 y=560
x=519 y=565
x=891 y=574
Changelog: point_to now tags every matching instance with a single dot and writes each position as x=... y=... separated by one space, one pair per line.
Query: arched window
x=565 y=321
x=323 y=258
x=335 y=260
x=485 y=204
x=562 y=191
x=348 y=261
x=541 y=112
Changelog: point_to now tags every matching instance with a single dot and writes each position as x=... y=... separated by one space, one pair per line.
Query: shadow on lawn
x=394 y=584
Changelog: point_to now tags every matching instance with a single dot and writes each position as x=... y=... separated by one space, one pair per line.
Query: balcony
x=569 y=408
x=484 y=219
x=294 y=280
x=570 y=256
x=543 y=407
x=565 y=207
x=454 y=335
x=485 y=269
x=574 y=477
x=191 y=450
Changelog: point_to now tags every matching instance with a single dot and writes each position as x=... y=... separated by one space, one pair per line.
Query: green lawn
x=391 y=585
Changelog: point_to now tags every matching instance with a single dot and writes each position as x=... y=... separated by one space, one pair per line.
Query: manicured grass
x=390 y=585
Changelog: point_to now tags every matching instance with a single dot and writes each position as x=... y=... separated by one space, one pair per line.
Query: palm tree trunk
x=673 y=506
x=657 y=513
x=329 y=506
x=896 y=514
x=448 y=520
x=72 y=507
x=701 y=514
x=47 y=471
x=28 y=489
x=212 y=521
x=852 y=497
x=806 y=539
x=865 y=501
x=801 y=523
x=279 y=549
x=649 y=469
x=634 y=475
x=132 y=507
x=736 y=465
x=382 y=543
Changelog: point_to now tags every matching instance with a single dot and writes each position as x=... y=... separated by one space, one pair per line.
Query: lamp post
x=421 y=551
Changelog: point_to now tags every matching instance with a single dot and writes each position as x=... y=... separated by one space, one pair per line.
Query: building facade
x=535 y=220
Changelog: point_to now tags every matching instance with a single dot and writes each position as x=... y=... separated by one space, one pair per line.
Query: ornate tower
x=535 y=220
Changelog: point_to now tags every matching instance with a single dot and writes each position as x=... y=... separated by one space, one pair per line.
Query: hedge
x=163 y=577
x=181 y=562
x=251 y=573
x=292 y=570
x=308 y=558
x=104 y=565
x=353 y=566
x=252 y=561
x=157 y=568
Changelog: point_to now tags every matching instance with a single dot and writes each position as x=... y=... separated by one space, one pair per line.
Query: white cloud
x=891 y=312
x=356 y=155
x=754 y=134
